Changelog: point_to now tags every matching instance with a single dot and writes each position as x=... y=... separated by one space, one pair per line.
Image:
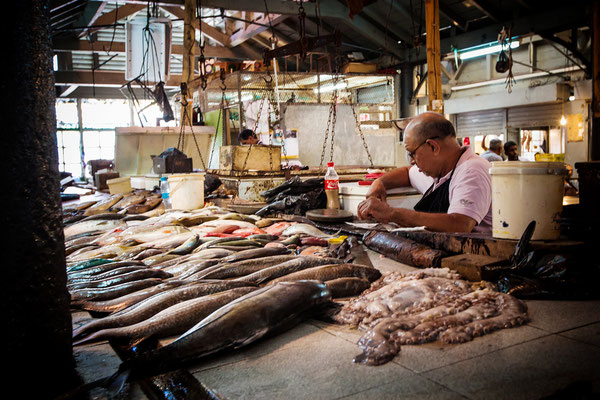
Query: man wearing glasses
x=455 y=182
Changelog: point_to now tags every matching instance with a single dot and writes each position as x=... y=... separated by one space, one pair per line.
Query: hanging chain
x=326 y=136
x=187 y=119
x=362 y=136
x=334 y=105
x=220 y=117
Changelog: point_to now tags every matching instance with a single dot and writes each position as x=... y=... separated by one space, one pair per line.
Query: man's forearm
x=395 y=178
x=437 y=222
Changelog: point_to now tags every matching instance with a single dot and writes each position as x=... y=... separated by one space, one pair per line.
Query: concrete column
x=37 y=319
x=406 y=90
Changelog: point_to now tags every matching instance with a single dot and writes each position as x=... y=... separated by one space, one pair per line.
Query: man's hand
x=377 y=190
x=374 y=208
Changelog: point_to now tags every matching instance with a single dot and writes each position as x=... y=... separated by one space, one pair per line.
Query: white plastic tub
x=352 y=194
x=527 y=191
x=187 y=191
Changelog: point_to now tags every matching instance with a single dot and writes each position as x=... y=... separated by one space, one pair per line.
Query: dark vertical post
x=406 y=90
x=595 y=133
x=37 y=321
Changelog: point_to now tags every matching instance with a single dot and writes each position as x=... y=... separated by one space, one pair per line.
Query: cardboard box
x=261 y=158
x=359 y=67
x=100 y=179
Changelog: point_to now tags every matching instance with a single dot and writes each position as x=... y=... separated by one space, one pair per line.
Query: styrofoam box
x=138 y=182
x=351 y=194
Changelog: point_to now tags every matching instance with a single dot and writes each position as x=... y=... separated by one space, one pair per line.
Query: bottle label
x=332 y=184
x=165 y=195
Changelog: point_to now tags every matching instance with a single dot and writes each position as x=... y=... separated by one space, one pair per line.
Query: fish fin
x=136 y=341
x=117 y=382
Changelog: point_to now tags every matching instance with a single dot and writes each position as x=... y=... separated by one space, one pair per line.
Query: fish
x=171 y=321
x=332 y=271
x=277 y=228
x=159 y=258
x=314 y=241
x=148 y=253
x=103 y=205
x=285 y=268
x=244 y=267
x=187 y=246
x=104 y=275
x=245 y=320
x=195 y=266
x=160 y=301
x=98 y=266
x=404 y=250
x=79 y=247
x=307 y=229
x=91 y=226
x=149 y=204
x=245 y=232
x=129 y=200
x=127 y=300
x=347 y=286
x=112 y=291
x=313 y=251
x=120 y=279
x=265 y=222
x=255 y=253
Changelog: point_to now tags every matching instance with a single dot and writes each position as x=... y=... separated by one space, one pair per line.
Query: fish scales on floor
x=160 y=275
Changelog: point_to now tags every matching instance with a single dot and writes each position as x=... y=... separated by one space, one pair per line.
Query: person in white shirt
x=494 y=151
x=455 y=182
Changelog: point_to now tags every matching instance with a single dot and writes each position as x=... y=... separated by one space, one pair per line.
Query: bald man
x=455 y=182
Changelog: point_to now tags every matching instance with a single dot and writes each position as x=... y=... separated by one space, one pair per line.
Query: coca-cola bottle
x=332 y=185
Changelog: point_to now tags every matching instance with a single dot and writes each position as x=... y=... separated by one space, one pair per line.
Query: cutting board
x=329 y=215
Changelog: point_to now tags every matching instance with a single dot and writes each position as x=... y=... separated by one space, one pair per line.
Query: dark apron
x=438 y=200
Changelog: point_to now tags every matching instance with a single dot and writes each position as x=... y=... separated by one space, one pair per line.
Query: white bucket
x=187 y=191
x=527 y=191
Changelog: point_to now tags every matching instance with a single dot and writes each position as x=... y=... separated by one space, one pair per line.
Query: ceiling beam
x=90 y=15
x=119 y=48
x=102 y=78
x=261 y=25
x=205 y=28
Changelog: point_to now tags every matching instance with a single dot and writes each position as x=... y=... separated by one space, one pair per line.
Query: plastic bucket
x=187 y=191
x=527 y=191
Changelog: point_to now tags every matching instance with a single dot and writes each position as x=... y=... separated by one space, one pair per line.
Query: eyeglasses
x=411 y=154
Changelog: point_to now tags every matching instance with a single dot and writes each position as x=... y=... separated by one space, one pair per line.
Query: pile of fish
x=425 y=306
x=135 y=202
x=160 y=276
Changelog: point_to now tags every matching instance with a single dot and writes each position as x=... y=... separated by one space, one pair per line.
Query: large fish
x=90 y=226
x=306 y=229
x=103 y=205
x=97 y=267
x=157 y=303
x=244 y=267
x=285 y=268
x=332 y=271
x=129 y=299
x=347 y=286
x=120 y=279
x=108 y=274
x=171 y=321
x=255 y=253
x=113 y=291
x=245 y=320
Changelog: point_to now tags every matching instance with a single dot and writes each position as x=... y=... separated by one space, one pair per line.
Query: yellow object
x=187 y=191
x=119 y=185
x=527 y=191
x=359 y=67
x=337 y=240
x=550 y=157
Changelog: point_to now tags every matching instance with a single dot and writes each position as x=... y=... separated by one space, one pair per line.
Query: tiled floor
x=557 y=353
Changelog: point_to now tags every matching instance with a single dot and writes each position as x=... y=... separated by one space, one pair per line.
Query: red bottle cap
x=330 y=164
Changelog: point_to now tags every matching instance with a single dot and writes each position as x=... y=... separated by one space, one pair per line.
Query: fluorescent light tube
x=466 y=55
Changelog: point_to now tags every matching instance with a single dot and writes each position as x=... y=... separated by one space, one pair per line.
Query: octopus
x=425 y=306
